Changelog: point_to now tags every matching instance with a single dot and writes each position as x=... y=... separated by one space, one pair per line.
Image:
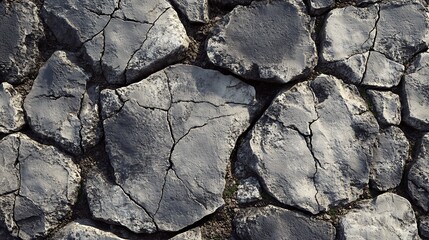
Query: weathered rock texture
x=418 y=180
x=267 y=41
x=11 y=112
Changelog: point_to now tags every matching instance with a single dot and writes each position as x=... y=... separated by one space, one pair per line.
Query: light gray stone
x=193 y=234
x=11 y=112
x=8 y=227
x=402 y=29
x=390 y=155
x=387 y=107
x=348 y=31
x=194 y=10
x=182 y=124
x=268 y=41
x=418 y=176
x=230 y=3
x=381 y=71
x=109 y=203
x=60 y=88
x=124 y=40
x=249 y=190
x=298 y=130
x=82 y=229
x=276 y=223
x=319 y=7
x=21 y=30
x=388 y=216
x=415 y=94
x=9 y=173
x=350 y=70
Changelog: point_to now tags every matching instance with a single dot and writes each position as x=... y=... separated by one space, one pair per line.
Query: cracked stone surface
x=22 y=29
x=415 y=94
x=61 y=88
x=125 y=40
x=11 y=112
x=82 y=229
x=387 y=107
x=381 y=71
x=43 y=184
x=108 y=202
x=388 y=216
x=194 y=10
x=265 y=41
x=418 y=180
x=179 y=138
x=249 y=190
x=297 y=131
x=390 y=155
x=276 y=223
x=319 y=7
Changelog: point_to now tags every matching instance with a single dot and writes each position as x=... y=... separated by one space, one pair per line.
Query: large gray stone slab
x=268 y=41
x=182 y=124
x=312 y=135
x=386 y=106
x=124 y=40
x=21 y=30
x=276 y=223
x=418 y=176
x=11 y=112
x=388 y=216
x=381 y=71
x=60 y=108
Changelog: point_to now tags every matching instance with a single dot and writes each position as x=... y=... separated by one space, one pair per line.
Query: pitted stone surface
x=296 y=131
x=415 y=94
x=21 y=30
x=249 y=190
x=48 y=186
x=60 y=88
x=387 y=107
x=418 y=176
x=195 y=10
x=11 y=112
x=82 y=229
x=388 y=216
x=390 y=155
x=123 y=39
x=266 y=41
x=277 y=223
x=172 y=157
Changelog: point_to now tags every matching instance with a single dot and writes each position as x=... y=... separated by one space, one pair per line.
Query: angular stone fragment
x=320 y=6
x=388 y=163
x=109 y=203
x=194 y=10
x=82 y=229
x=402 y=29
x=387 y=107
x=123 y=39
x=418 y=176
x=276 y=223
x=182 y=124
x=21 y=30
x=193 y=234
x=60 y=88
x=387 y=216
x=249 y=190
x=381 y=71
x=11 y=113
x=9 y=173
x=296 y=131
x=415 y=94
x=268 y=41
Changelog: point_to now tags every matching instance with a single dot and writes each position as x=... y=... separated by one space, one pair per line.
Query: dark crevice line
x=79 y=116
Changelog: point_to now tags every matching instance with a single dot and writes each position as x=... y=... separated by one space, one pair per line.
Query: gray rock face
x=195 y=10
x=48 y=186
x=418 y=180
x=265 y=41
x=297 y=131
x=109 y=203
x=249 y=190
x=424 y=226
x=8 y=227
x=276 y=223
x=123 y=39
x=11 y=113
x=182 y=124
x=193 y=234
x=381 y=71
x=80 y=229
x=230 y=3
x=388 y=216
x=387 y=107
x=22 y=29
x=388 y=162
x=320 y=6
x=415 y=94
x=60 y=88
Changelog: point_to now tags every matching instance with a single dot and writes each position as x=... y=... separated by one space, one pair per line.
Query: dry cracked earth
x=214 y=119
